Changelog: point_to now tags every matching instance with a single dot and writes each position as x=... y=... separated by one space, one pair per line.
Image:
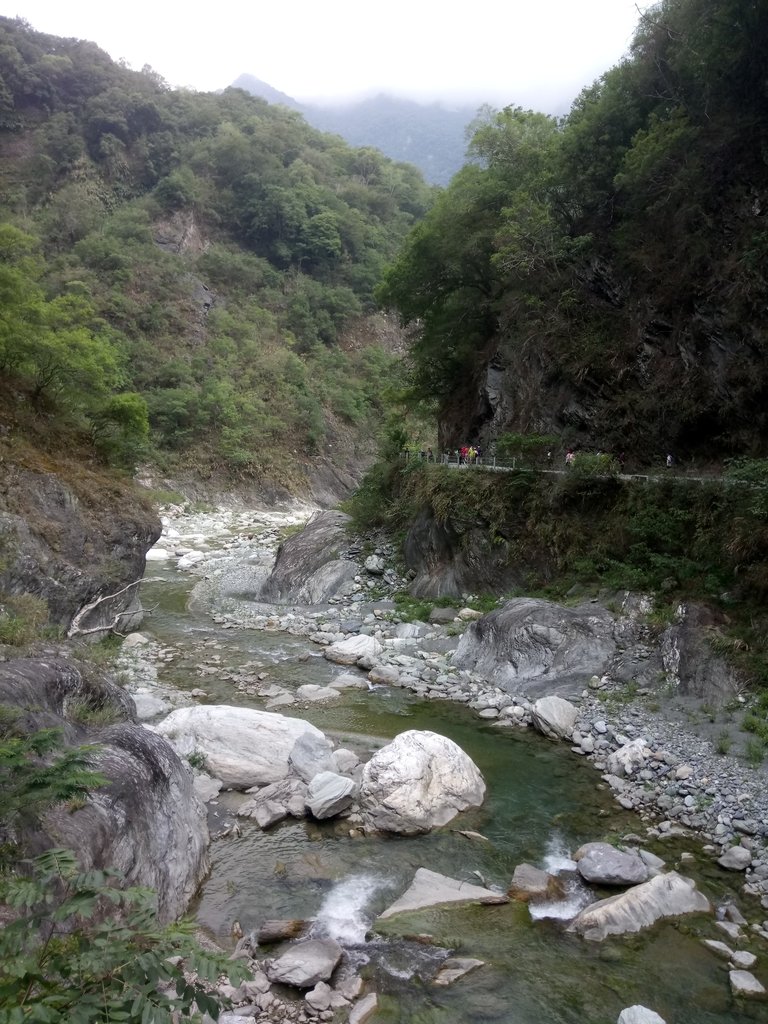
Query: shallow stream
x=542 y=803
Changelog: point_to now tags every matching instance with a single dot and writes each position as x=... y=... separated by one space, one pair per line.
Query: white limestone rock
x=639 y=1015
x=305 y=963
x=329 y=794
x=669 y=895
x=735 y=858
x=554 y=717
x=430 y=889
x=244 y=747
x=418 y=781
x=351 y=650
x=746 y=985
x=628 y=759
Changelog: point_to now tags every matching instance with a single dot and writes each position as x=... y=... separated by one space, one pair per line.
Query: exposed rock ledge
x=147 y=821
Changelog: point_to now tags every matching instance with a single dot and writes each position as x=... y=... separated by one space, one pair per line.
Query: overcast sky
x=535 y=53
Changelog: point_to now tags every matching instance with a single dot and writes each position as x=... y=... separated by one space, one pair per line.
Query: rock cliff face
x=310 y=566
x=74 y=544
x=146 y=821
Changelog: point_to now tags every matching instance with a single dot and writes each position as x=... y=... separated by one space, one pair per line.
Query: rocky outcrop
x=74 y=544
x=146 y=821
x=310 y=567
x=418 y=781
x=536 y=647
x=244 y=747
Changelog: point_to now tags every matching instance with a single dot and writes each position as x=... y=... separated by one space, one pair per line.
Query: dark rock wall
x=70 y=544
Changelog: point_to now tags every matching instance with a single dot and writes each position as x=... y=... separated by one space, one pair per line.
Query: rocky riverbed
x=563 y=672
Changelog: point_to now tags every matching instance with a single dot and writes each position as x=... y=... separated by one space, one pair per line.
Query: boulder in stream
x=530 y=883
x=554 y=717
x=603 y=864
x=351 y=650
x=330 y=794
x=418 y=781
x=639 y=1015
x=430 y=889
x=669 y=895
x=244 y=747
x=305 y=963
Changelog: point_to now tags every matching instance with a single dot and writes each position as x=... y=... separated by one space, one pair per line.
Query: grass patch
x=23 y=619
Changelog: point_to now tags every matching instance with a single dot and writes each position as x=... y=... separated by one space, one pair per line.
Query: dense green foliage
x=75 y=948
x=613 y=265
x=187 y=272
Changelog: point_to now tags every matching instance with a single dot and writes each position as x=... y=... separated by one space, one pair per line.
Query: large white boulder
x=629 y=758
x=351 y=650
x=418 y=781
x=667 y=895
x=555 y=717
x=244 y=747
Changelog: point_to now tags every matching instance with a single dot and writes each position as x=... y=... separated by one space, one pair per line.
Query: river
x=542 y=803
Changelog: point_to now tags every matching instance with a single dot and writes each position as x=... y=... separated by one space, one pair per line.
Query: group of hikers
x=466 y=455
x=470 y=455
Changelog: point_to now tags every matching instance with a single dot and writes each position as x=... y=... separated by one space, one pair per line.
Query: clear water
x=542 y=803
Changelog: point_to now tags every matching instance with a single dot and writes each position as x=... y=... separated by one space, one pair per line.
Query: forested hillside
x=429 y=135
x=186 y=277
x=604 y=278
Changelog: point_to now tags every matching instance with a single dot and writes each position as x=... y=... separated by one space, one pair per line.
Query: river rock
x=455 y=967
x=319 y=998
x=639 y=1015
x=746 y=985
x=554 y=717
x=535 y=647
x=735 y=858
x=206 y=787
x=429 y=889
x=386 y=675
x=667 y=895
x=329 y=794
x=348 y=681
x=312 y=692
x=443 y=616
x=628 y=759
x=603 y=864
x=351 y=650
x=244 y=747
x=308 y=569
x=305 y=963
x=344 y=761
x=375 y=565
x=418 y=781
x=531 y=883
x=365 y=1009
x=288 y=794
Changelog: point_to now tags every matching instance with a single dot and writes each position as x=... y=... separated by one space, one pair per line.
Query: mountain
x=430 y=136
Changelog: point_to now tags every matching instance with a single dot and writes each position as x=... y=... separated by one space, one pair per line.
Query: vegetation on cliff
x=603 y=278
x=187 y=275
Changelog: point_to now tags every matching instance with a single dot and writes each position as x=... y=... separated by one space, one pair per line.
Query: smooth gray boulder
x=629 y=758
x=554 y=717
x=418 y=781
x=308 y=569
x=669 y=895
x=329 y=794
x=639 y=1015
x=244 y=747
x=305 y=963
x=735 y=858
x=603 y=864
x=430 y=889
x=536 y=647
x=316 y=694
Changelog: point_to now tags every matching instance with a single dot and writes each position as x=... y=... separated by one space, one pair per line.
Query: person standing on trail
x=670 y=462
x=569 y=457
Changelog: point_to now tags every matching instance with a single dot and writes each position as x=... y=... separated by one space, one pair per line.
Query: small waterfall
x=557 y=861
x=343 y=915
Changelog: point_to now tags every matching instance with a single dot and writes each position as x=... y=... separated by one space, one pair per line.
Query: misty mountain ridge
x=429 y=135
